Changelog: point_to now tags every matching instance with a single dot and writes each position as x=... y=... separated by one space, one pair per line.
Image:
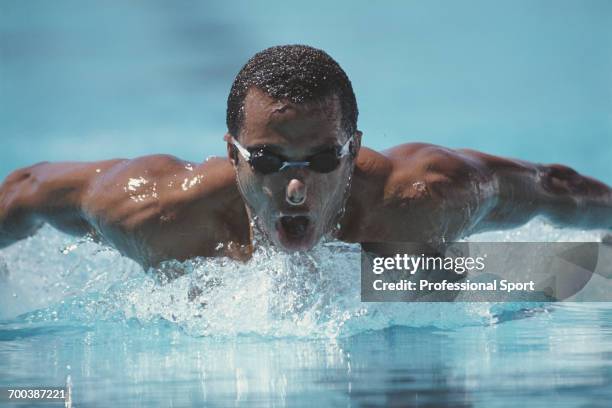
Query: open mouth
x=295 y=226
x=295 y=232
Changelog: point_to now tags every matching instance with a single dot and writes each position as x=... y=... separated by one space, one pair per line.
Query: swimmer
x=296 y=167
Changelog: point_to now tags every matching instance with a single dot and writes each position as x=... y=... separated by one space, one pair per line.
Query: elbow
x=559 y=186
x=560 y=180
x=18 y=196
x=571 y=199
x=18 y=190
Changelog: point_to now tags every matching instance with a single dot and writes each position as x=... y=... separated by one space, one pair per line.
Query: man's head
x=293 y=104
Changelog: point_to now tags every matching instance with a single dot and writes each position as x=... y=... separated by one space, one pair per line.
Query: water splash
x=68 y=388
x=313 y=294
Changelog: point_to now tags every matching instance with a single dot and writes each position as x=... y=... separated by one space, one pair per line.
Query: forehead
x=272 y=121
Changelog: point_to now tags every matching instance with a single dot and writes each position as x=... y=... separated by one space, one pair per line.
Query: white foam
x=311 y=294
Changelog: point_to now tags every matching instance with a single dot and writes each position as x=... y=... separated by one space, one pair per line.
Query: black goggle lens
x=266 y=162
x=324 y=162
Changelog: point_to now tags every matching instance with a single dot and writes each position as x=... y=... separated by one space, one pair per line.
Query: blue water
x=285 y=330
x=558 y=357
x=85 y=81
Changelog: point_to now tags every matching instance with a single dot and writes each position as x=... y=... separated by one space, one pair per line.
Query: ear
x=231 y=150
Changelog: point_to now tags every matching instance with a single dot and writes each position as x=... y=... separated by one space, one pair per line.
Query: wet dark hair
x=296 y=72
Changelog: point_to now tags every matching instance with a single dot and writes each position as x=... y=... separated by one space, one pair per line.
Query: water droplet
x=419 y=186
x=134 y=183
x=67 y=249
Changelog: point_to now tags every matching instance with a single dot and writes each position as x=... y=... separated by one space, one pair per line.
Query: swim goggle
x=265 y=162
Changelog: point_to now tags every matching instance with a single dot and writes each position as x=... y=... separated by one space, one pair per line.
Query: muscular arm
x=151 y=209
x=522 y=190
x=425 y=193
x=46 y=193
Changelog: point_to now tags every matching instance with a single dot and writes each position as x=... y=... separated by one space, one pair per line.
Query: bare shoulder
x=150 y=208
x=160 y=207
x=414 y=171
x=131 y=191
x=423 y=170
x=403 y=193
x=429 y=157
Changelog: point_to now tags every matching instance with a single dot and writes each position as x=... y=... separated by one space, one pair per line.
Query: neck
x=365 y=195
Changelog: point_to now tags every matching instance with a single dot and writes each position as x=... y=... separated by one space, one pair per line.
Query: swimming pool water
x=559 y=356
x=88 y=81
x=285 y=331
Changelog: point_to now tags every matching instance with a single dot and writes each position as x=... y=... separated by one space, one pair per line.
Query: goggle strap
x=294 y=164
x=346 y=147
x=344 y=150
x=244 y=152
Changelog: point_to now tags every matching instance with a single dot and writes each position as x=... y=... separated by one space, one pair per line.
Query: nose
x=296 y=192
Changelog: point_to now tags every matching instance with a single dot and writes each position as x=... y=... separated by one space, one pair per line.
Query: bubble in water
x=67 y=249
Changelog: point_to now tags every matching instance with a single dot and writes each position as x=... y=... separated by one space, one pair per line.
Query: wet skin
x=159 y=207
x=294 y=132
